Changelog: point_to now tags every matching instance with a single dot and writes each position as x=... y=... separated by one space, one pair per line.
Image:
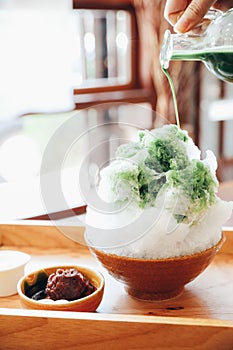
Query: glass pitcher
x=212 y=45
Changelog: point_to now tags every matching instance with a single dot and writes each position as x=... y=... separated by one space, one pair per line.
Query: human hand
x=186 y=14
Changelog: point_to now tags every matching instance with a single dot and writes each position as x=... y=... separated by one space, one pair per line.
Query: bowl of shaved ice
x=156 y=221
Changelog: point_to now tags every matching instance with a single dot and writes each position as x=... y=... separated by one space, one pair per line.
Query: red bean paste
x=68 y=284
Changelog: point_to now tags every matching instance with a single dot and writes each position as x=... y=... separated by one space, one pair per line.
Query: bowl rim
x=23 y=259
x=66 y=302
x=215 y=247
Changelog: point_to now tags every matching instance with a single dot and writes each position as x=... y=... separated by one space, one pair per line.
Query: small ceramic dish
x=12 y=265
x=36 y=281
x=157 y=279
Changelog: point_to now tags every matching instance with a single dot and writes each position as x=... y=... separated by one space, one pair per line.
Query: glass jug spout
x=166 y=50
x=180 y=47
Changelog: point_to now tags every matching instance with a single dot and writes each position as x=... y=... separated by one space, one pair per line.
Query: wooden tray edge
x=88 y=316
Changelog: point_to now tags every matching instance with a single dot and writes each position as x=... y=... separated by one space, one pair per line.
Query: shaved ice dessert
x=160 y=199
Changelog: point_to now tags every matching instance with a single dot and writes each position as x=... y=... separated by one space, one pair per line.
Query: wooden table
x=200 y=318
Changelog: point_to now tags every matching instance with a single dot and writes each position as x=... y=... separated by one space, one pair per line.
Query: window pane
x=103 y=56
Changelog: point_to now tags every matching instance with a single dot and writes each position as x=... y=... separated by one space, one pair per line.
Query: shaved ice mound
x=160 y=199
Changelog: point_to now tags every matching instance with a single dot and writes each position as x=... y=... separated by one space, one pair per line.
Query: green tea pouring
x=213 y=46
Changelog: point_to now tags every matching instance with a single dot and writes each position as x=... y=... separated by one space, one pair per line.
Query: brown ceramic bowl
x=156 y=279
x=35 y=281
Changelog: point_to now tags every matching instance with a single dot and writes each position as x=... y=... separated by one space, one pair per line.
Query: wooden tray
x=201 y=318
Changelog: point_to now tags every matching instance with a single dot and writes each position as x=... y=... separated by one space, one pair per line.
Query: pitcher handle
x=212 y=14
x=201 y=27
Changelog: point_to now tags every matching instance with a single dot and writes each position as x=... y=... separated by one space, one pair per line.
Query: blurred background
x=117 y=88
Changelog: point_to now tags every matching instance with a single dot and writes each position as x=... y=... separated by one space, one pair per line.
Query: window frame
x=135 y=91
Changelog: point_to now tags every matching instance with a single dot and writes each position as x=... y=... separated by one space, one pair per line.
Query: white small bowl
x=12 y=265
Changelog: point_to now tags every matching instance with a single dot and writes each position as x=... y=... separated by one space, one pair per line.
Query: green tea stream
x=173 y=95
x=219 y=62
